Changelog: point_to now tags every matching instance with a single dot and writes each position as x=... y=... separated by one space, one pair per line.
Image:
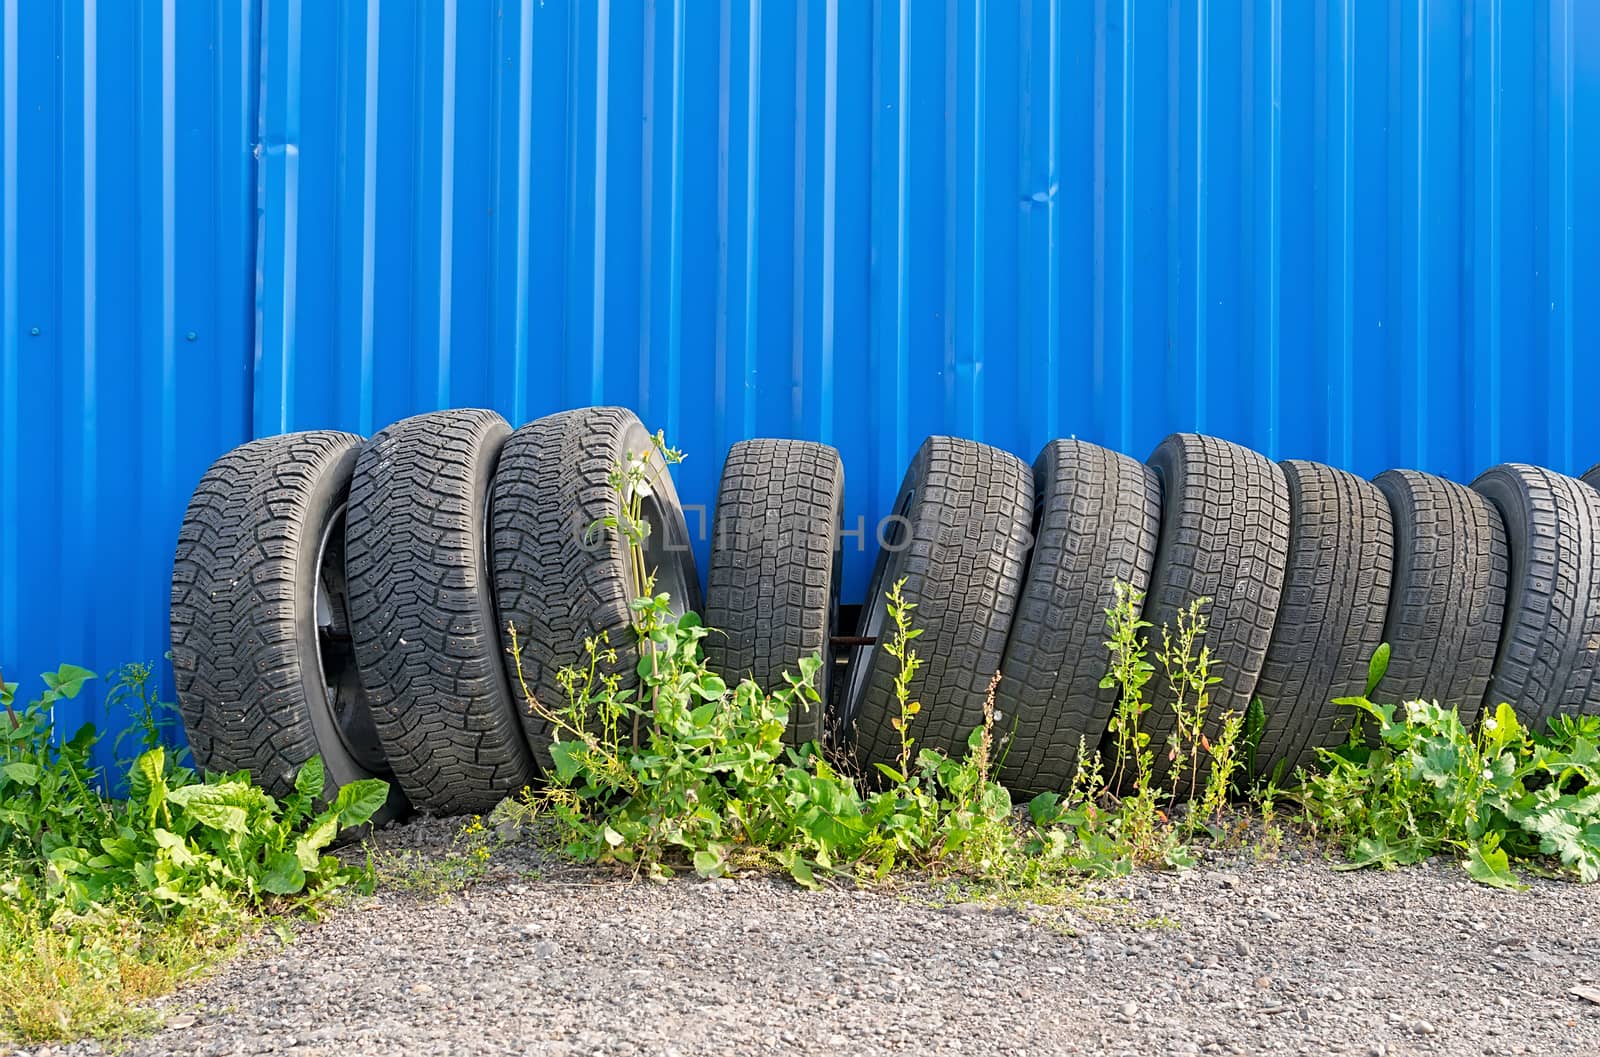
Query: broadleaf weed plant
x=634 y=480
x=1130 y=670
x=1500 y=798
x=155 y=723
x=107 y=901
x=1141 y=813
x=899 y=647
x=1187 y=662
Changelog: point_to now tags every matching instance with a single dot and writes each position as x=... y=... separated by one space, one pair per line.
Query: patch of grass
x=432 y=875
x=93 y=976
x=107 y=902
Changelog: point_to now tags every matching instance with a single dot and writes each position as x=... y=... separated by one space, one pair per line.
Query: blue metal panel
x=1009 y=222
x=127 y=276
x=1355 y=230
x=1345 y=230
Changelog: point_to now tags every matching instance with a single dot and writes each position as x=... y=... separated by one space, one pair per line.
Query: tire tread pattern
x=1452 y=565
x=554 y=582
x=422 y=613
x=1330 y=621
x=237 y=579
x=772 y=586
x=1097 y=521
x=970 y=515
x=1224 y=536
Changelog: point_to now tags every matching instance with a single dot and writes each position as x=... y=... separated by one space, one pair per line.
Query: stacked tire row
x=1485 y=594
x=346 y=598
x=350 y=598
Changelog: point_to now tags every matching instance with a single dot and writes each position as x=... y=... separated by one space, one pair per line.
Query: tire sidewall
x=324 y=503
x=894 y=551
x=1505 y=493
x=679 y=547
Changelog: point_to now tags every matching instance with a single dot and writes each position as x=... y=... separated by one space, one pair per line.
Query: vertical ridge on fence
x=1337 y=230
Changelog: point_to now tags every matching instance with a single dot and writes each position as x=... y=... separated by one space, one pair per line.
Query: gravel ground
x=1238 y=957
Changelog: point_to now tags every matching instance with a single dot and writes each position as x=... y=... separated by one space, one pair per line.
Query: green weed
x=431 y=875
x=108 y=901
x=1133 y=761
x=1499 y=798
x=1264 y=799
x=710 y=786
x=689 y=773
x=1138 y=826
x=155 y=723
x=1187 y=664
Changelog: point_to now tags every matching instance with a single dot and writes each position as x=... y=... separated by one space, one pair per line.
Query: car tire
x=958 y=535
x=1097 y=519
x=1224 y=536
x=560 y=580
x=1330 y=621
x=1448 y=600
x=261 y=648
x=1548 y=662
x=772 y=589
x=422 y=610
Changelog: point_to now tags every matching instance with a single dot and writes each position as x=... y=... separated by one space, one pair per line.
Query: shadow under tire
x=772 y=589
x=559 y=579
x=1330 y=621
x=1097 y=520
x=261 y=649
x=1224 y=536
x=423 y=612
x=1449 y=596
x=958 y=534
x=1549 y=655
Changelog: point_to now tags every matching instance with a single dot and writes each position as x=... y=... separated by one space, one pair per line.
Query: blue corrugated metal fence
x=1357 y=230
